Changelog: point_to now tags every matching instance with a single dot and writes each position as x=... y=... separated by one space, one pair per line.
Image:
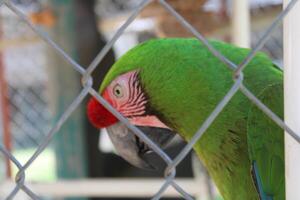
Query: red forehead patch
x=98 y=115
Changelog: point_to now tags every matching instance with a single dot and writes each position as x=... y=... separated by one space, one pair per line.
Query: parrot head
x=161 y=86
x=125 y=93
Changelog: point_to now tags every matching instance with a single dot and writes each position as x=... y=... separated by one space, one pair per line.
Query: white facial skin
x=118 y=91
x=126 y=96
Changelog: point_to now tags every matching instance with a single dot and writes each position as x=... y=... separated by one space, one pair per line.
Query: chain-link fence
x=170 y=171
x=22 y=54
x=24 y=75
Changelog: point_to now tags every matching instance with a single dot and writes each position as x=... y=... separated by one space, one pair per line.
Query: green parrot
x=170 y=86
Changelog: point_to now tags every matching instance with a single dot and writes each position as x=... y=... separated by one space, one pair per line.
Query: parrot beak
x=133 y=149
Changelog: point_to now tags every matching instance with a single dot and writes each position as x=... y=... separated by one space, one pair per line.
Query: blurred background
x=37 y=85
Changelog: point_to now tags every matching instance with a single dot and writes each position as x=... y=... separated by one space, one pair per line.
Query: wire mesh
x=22 y=53
x=170 y=171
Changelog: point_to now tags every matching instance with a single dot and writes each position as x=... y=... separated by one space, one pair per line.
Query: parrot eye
x=118 y=91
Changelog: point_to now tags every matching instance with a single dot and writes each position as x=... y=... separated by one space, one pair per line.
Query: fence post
x=292 y=100
x=206 y=191
x=241 y=23
x=64 y=85
x=4 y=110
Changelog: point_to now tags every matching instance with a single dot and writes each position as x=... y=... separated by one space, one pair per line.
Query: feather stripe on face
x=136 y=104
x=126 y=95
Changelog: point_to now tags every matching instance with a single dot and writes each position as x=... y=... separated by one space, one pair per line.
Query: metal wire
x=170 y=171
x=43 y=36
x=109 y=45
x=266 y=36
x=198 y=35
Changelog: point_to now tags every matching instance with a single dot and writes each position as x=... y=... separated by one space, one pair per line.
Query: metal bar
x=292 y=100
x=240 y=19
x=111 y=187
x=18 y=42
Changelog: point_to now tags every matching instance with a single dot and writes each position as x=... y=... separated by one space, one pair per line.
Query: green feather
x=185 y=82
x=265 y=141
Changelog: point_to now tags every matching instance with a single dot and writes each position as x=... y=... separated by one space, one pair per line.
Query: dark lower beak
x=132 y=148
